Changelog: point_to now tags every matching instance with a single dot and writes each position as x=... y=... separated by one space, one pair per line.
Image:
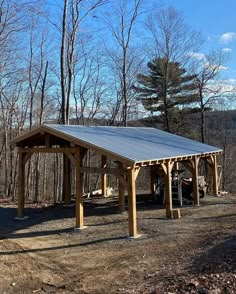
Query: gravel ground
x=194 y=254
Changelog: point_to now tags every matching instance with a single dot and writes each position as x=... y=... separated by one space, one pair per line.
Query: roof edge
x=26 y=135
x=62 y=135
x=177 y=158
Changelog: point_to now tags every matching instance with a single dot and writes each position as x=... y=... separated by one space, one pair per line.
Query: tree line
x=77 y=61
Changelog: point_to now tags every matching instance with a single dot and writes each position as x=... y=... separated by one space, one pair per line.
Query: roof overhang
x=38 y=137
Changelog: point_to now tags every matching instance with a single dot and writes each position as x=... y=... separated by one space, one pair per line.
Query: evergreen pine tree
x=166 y=87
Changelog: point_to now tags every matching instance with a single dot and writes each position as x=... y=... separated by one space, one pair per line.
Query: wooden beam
x=104 y=176
x=176 y=166
x=21 y=184
x=209 y=176
x=168 y=190
x=208 y=160
x=195 y=162
x=79 y=191
x=132 y=203
x=47 y=141
x=175 y=159
x=122 y=180
x=215 y=176
x=99 y=170
x=219 y=176
x=50 y=150
x=27 y=157
x=69 y=139
x=137 y=170
x=70 y=156
x=163 y=165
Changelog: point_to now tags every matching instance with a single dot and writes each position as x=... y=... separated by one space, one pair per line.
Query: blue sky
x=216 y=20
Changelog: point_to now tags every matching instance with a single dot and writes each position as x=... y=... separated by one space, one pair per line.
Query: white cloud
x=229 y=81
x=227 y=50
x=199 y=56
x=221 y=88
x=215 y=66
x=227 y=37
x=221 y=67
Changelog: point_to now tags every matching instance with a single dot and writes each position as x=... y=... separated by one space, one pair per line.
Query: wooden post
x=176 y=166
x=215 y=175
x=168 y=190
x=121 y=196
x=152 y=181
x=121 y=189
x=195 y=182
x=104 y=176
x=21 y=184
x=132 y=203
x=79 y=191
x=67 y=180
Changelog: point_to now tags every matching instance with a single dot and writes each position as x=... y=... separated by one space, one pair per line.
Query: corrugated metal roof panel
x=135 y=143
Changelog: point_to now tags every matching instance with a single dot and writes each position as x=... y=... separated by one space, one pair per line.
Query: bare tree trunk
x=62 y=64
x=121 y=28
x=43 y=93
x=202 y=125
x=124 y=90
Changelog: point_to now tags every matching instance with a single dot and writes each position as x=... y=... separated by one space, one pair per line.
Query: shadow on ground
x=97 y=206
x=219 y=258
x=64 y=247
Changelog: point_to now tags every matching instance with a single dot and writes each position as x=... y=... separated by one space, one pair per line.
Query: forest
x=122 y=63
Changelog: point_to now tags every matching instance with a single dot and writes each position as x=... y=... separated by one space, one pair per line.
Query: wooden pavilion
x=130 y=148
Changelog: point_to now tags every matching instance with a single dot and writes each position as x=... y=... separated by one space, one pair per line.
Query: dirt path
x=195 y=254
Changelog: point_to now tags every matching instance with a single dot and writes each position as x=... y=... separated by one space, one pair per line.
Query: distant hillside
x=190 y=123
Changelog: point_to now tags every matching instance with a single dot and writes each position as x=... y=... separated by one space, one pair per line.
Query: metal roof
x=136 y=144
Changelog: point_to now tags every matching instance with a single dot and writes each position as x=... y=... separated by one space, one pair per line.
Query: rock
x=202 y=290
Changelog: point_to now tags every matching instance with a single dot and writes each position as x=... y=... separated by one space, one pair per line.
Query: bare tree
x=172 y=40
x=170 y=37
x=220 y=131
x=12 y=22
x=89 y=86
x=123 y=56
x=74 y=13
x=209 y=89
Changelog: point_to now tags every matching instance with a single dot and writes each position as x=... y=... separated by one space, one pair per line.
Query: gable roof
x=132 y=144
